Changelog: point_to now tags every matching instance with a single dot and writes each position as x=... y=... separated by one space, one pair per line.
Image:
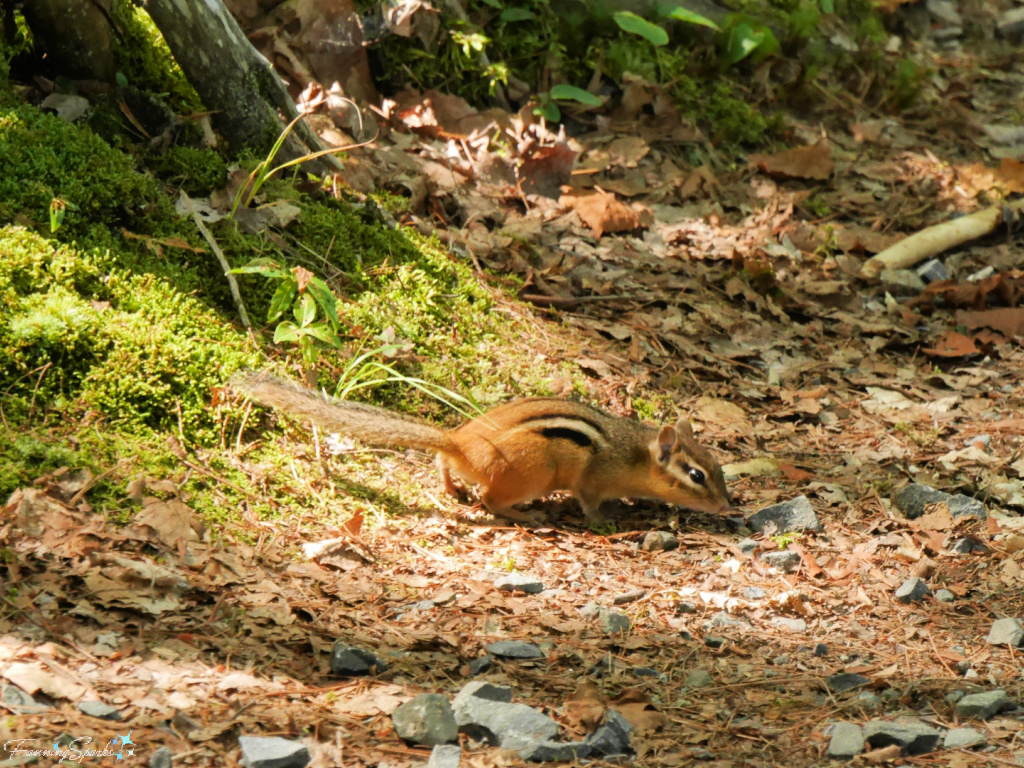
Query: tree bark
x=75 y=35
x=231 y=77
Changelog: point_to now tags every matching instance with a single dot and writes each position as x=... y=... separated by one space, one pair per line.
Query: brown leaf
x=811 y=162
x=1008 y=320
x=586 y=707
x=602 y=212
x=953 y=344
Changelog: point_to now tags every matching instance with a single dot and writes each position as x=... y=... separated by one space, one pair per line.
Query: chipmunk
x=528 y=448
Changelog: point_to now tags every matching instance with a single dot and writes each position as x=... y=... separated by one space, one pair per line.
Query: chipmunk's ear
x=666 y=441
x=684 y=430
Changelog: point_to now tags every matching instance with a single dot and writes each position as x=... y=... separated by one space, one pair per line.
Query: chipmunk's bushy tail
x=373 y=426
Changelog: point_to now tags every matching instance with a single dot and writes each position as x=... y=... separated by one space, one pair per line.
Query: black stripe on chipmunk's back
x=592 y=423
x=568 y=433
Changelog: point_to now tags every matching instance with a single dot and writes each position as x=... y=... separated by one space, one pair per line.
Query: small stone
x=1011 y=22
x=514 y=649
x=519 y=582
x=646 y=672
x=944 y=596
x=914 y=498
x=483 y=690
x=901 y=282
x=349 y=661
x=659 y=541
x=747 y=546
x=714 y=642
x=945 y=11
x=699 y=678
x=967 y=546
x=99 y=709
x=912 y=736
x=20 y=702
x=913 y=590
x=1006 y=632
x=613 y=623
x=847 y=741
x=272 y=752
x=549 y=751
x=793 y=515
x=479 y=666
x=790 y=625
x=786 y=561
x=445 y=756
x=982 y=706
x=162 y=758
x=971 y=674
x=754 y=593
x=723 y=619
x=611 y=738
x=961 y=738
x=685 y=607
x=820 y=650
x=781 y=660
x=933 y=270
x=961 y=667
x=509 y=726
x=867 y=701
x=845 y=681
x=426 y=719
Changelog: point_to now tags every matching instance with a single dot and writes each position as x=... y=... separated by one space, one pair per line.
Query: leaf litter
x=734 y=293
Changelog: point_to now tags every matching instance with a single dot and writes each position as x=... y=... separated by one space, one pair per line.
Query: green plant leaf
x=516 y=14
x=263 y=266
x=325 y=298
x=323 y=332
x=282 y=299
x=685 y=14
x=286 y=331
x=305 y=310
x=637 y=25
x=747 y=37
x=571 y=92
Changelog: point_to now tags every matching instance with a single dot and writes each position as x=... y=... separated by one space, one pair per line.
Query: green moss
x=197 y=171
x=46 y=158
x=732 y=119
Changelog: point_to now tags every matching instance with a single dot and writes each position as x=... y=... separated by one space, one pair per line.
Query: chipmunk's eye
x=697 y=476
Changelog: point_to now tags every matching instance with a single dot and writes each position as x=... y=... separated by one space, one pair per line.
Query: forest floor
x=734 y=295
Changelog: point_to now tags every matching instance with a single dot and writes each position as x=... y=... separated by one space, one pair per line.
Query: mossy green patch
x=197 y=171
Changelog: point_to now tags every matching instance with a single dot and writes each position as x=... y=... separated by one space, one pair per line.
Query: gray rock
x=1011 y=22
x=793 y=515
x=611 y=738
x=971 y=674
x=100 y=709
x=945 y=11
x=747 y=546
x=845 y=681
x=785 y=561
x=967 y=546
x=483 y=690
x=711 y=641
x=1006 y=632
x=912 y=736
x=913 y=590
x=162 y=758
x=659 y=541
x=686 y=607
x=982 y=706
x=933 y=270
x=901 y=282
x=445 y=756
x=912 y=499
x=699 y=678
x=961 y=738
x=847 y=741
x=867 y=701
x=426 y=719
x=820 y=650
x=723 y=619
x=613 y=623
x=514 y=649
x=754 y=593
x=791 y=625
x=510 y=726
x=944 y=596
x=548 y=750
x=479 y=666
x=781 y=660
x=20 y=702
x=272 y=752
x=520 y=582
x=349 y=661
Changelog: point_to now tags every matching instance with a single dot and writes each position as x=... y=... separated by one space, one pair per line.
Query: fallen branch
x=936 y=239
